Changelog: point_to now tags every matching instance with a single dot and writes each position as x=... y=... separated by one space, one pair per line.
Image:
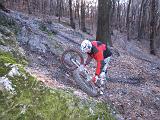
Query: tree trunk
x=83 y=26
x=60 y=10
x=57 y=8
x=118 y=16
x=128 y=19
x=152 y=27
x=51 y=7
x=79 y=22
x=140 y=20
x=71 y=15
x=112 y=13
x=75 y=11
x=29 y=6
x=103 y=25
x=92 y=18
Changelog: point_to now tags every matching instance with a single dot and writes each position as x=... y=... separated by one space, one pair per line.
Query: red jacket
x=99 y=53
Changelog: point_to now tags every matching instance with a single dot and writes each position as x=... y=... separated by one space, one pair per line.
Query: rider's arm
x=100 y=63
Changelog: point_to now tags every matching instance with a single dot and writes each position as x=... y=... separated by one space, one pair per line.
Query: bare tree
x=140 y=19
x=152 y=27
x=71 y=15
x=83 y=26
x=59 y=9
x=128 y=19
x=52 y=7
x=103 y=25
x=118 y=15
x=112 y=12
x=77 y=11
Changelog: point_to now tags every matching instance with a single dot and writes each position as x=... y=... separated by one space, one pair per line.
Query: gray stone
x=5 y=83
x=14 y=71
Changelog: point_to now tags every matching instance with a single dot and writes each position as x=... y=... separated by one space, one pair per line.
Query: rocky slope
x=23 y=96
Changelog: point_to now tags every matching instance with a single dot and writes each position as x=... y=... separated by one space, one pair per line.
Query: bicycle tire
x=84 y=85
x=67 y=62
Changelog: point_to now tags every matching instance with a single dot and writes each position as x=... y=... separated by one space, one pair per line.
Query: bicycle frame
x=85 y=70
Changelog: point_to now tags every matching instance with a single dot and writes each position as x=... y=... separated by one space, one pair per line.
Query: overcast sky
x=123 y=1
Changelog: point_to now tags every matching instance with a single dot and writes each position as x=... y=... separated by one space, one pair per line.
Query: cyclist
x=101 y=53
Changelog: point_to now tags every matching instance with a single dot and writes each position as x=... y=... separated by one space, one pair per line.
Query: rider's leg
x=107 y=60
x=100 y=83
x=103 y=77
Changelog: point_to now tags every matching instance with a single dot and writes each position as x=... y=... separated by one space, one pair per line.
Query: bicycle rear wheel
x=69 y=56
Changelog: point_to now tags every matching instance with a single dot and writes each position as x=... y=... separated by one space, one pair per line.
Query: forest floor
x=44 y=43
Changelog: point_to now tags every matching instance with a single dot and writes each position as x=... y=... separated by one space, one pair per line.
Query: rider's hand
x=94 y=79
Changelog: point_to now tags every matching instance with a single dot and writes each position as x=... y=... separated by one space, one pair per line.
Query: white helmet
x=86 y=46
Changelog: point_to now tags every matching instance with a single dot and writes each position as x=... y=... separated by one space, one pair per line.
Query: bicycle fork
x=78 y=65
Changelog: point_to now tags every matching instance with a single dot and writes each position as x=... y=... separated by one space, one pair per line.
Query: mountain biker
x=100 y=52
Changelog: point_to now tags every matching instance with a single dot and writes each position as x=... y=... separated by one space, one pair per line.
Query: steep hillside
x=22 y=96
x=43 y=43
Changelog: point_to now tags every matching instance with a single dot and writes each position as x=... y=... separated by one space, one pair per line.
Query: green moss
x=57 y=46
x=46 y=31
x=6 y=57
x=9 y=41
x=7 y=37
x=34 y=101
x=4 y=70
x=9 y=23
x=2 y=41
x=20 y=59
x=42 y=103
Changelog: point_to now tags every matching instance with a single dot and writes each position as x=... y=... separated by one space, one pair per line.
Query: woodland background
x=140 y=19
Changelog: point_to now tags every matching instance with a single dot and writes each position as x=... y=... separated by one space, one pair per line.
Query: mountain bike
x=72 y=59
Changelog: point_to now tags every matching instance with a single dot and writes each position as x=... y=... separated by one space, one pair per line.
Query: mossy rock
x=9 y=23
x=44 y=28
x=4 y=69
x=4 y=30
x=8 y=41
x=31 y=100
x=34 y=101
x=2 y=42
x=57 y=47
x=7 y=37
x=7 y=57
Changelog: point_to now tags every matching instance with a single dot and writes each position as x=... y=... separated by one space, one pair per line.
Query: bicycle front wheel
x=70 y=57
x=81 y=80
